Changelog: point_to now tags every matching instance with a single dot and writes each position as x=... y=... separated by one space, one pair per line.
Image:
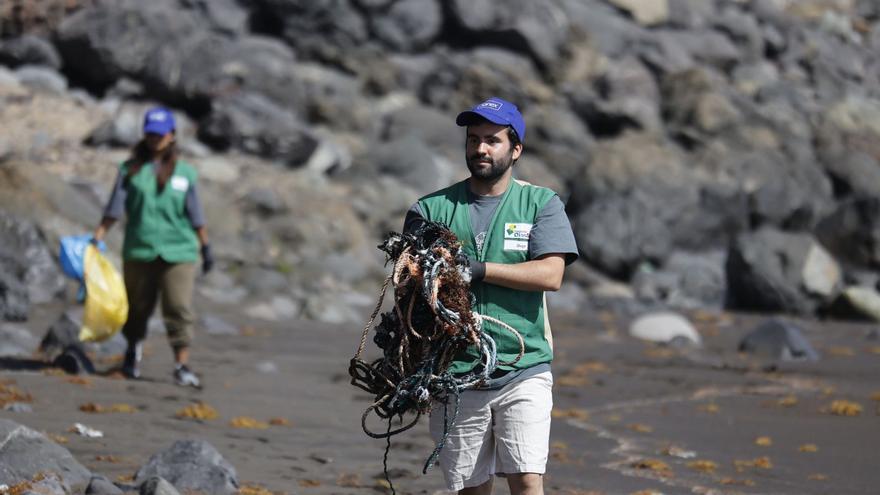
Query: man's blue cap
x=497 y=111
x=158 y=120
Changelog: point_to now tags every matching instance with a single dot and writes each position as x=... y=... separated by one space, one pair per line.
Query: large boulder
x=602 y=24
x=458 y=81
x=435 y=129
x=537 y=29
x=408 y=25
x=852 y=231
x=16 y=341
x=29 y=50
x=687 y=280
x=645 y=12
x=26 y=258
x=204 y=66
x=24 y=453
x=253 y=124
x=778 y=340
x=324 y=30
x=771 y=270
x=637 y=200
x=191 y=465
x=100 y=44
x=560 y=138
x=624 y=96
x=413 y=163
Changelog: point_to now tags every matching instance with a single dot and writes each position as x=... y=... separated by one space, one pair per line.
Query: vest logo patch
x=518 y=231
x=179 y=183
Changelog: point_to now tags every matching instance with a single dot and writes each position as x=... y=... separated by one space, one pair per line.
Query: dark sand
x=619 y=403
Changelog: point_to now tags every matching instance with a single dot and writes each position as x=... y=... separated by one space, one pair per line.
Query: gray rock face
x=30 y=273
x=101 y=44
x=852 y=231
x=42 y=78
x=324 y=29
x=413 y=163
x=29 y=50
x=191 y=465
x=538 y=29
x=99 y=485
x=205 y=65
x=771 y=270
x=16 y=341
x=408 y=24
x=157 y=486
x=24 y=453
x=687 y=280
x=253 y=124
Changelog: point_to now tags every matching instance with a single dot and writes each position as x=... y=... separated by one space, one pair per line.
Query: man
x=518 y=240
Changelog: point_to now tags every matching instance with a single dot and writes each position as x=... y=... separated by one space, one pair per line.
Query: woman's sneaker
x=184 y=377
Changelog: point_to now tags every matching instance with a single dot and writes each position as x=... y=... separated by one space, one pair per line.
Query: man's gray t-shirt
x=551 y=233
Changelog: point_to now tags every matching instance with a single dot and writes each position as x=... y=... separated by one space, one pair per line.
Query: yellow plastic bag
x=106 y=301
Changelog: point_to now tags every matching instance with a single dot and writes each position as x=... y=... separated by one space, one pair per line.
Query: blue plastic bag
x=72 y=254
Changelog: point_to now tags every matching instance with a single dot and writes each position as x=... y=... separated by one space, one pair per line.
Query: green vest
x=506 y=242
x=157 y=224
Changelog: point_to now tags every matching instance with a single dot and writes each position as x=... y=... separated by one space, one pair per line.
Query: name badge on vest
x=516 y=236
x=179 y=183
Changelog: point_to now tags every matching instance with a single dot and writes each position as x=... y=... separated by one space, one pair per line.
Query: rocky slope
x=711 y=153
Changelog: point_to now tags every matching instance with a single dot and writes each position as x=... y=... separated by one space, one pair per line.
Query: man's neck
x=495 y=187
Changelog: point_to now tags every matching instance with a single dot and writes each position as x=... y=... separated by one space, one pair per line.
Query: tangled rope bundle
x=431 y=322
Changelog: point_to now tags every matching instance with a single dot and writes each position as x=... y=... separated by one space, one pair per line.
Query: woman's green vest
x=157 y=225
x=506 y=242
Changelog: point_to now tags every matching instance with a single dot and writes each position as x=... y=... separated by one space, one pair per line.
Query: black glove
x=478 y=269
x=94 y=242
x=207 y=259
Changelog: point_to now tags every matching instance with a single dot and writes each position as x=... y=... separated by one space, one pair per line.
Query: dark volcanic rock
x=778 y=340
x=29 y=50
x=852 y=231
x=192 y=465
x=324 y=30
x=24 y=453
x=26 y=259
x=101 y=44
x=408 y=25
x=253 y=124
x=769 y=270
x=204 y=66
x=537 y=29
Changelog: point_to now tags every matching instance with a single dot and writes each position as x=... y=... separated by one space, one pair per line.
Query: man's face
x=488 y=151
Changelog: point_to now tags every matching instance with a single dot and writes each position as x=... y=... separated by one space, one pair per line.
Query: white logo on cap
x=160 y=116
x=494 y=105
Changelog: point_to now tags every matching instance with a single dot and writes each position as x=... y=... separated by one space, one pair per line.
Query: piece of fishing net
x=431 y=322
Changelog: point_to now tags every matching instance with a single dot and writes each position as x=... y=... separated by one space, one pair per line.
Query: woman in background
x=164 y=231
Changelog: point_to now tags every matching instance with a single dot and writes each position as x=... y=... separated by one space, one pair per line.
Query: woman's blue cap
x=497 y=111
x=158 y=120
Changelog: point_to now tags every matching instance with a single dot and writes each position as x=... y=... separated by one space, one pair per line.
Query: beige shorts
x=496 y=432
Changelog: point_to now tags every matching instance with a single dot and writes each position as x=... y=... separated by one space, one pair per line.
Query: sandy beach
x=630 y=417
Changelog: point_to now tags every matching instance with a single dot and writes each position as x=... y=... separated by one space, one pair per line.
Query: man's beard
x=496 y=170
